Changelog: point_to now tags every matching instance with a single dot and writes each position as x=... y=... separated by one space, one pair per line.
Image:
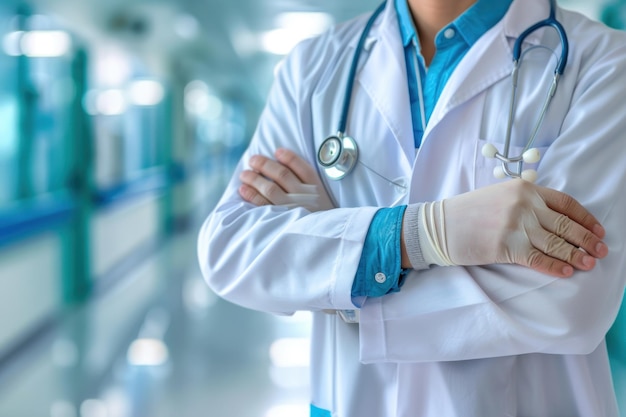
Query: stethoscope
x=528 y=154
x=338 y=154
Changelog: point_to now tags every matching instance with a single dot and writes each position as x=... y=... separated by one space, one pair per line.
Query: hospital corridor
x=121 y=124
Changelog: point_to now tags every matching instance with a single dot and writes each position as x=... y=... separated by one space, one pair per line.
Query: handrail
x=154 y=179
x=24 y=218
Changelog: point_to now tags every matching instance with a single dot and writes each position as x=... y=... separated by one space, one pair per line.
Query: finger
x=571 y=208
x=251 y=195
x=574 y=233
x=301 y=168
x=275 y=171
x=540 y=262
x=560 y=251
x=266 y=188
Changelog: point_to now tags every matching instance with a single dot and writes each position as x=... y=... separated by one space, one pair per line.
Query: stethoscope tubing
x=560 y=30
x=551 y=21
x=517 y=57
x=352 y=75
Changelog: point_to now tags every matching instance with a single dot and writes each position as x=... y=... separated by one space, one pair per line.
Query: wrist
x=432 y=234
x=412 y=255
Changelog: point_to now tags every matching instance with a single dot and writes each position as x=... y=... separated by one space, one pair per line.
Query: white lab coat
x=498 y=340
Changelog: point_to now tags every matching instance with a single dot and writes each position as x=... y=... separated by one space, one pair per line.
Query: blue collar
x=471 y=25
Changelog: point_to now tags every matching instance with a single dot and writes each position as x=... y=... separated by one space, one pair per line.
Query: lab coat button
x=380 y=278
x=449 y=33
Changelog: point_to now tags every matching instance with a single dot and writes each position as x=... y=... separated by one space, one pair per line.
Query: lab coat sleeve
x=457 y=313
x=271 y=258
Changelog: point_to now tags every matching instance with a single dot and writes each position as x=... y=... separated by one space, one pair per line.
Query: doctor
x=477 y=297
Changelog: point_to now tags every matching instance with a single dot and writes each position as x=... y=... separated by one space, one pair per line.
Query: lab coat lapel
x=490 y=59
x=383 y=78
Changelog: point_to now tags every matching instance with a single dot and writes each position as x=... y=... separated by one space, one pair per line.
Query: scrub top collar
x=471 y=25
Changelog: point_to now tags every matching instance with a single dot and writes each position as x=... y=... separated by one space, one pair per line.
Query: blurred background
x=120 y=122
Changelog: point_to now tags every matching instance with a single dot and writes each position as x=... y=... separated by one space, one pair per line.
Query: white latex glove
x=288 y=181
x=517 y=222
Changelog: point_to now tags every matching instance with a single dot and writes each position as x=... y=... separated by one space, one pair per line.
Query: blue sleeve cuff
x=379 y=271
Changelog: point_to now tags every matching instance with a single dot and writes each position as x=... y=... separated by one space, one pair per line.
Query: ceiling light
x=113 y=67
x=280 y=41
x=147 y=352
x=293 y=28
x=45 y=43
x=311 y=22
x=146 y=93
x=290 y=353
x=111 y=102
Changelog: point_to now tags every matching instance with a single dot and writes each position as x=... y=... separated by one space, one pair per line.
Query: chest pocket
x=535 y=79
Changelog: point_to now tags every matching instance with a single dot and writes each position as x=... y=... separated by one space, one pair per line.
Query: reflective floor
x=161 y=344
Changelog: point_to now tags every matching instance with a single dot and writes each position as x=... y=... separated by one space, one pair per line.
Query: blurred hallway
x=179 y=352
x=121 y=122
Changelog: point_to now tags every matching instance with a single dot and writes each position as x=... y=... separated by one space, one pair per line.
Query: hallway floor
x=161 y=344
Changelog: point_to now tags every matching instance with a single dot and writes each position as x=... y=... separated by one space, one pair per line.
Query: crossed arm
x=514 y=222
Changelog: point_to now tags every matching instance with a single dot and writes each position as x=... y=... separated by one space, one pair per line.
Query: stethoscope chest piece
x=337 y=155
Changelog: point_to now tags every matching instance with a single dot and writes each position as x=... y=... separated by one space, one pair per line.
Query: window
x=36 y=95
x=9 y=114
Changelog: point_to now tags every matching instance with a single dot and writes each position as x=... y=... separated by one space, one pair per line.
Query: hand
x=521 y=223
x=288 y=181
